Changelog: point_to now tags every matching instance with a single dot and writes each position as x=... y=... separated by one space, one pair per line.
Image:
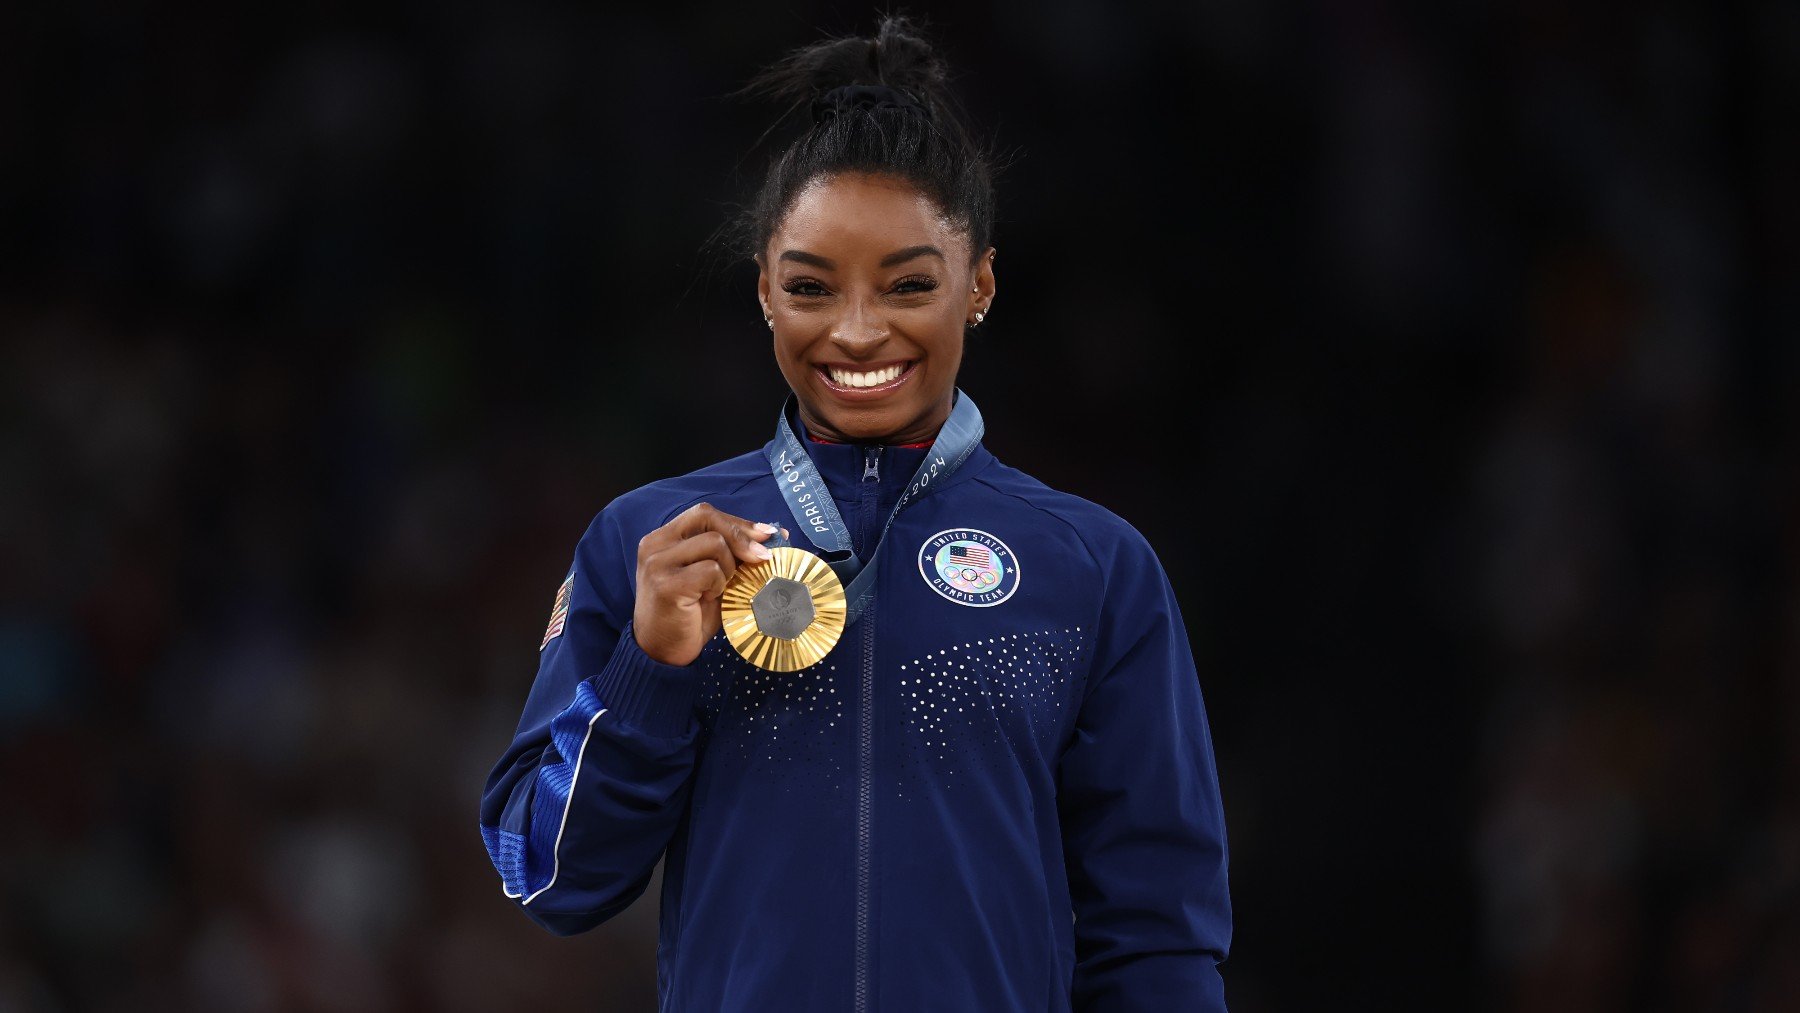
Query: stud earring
x=770 y=321
x=978 y=316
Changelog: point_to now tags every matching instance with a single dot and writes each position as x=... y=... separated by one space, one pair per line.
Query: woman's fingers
x=691 y=568
x=698 y=581
x=743 y=538
x=688 y=562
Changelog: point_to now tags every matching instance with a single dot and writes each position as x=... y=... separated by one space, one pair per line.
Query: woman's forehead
x=852 y=211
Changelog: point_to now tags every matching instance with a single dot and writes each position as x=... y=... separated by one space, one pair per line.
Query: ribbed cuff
x=655 y=698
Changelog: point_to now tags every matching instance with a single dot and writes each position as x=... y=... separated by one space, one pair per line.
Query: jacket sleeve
x=583 y=803
x=1142 y=822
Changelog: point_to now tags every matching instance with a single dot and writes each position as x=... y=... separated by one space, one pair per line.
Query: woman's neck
x=821 y=439
x=922 y=434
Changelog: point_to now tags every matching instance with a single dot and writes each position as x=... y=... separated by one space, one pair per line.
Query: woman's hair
x=918 y=136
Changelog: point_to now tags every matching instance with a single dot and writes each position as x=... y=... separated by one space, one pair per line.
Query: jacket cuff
x=655 y=698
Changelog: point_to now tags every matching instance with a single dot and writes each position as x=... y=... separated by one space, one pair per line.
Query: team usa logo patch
x=969 y=567
x=559 y=614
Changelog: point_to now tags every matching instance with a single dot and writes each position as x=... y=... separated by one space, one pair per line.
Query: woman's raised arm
x=585 y=800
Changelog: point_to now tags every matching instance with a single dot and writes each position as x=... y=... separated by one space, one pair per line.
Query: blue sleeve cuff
x=655 y=698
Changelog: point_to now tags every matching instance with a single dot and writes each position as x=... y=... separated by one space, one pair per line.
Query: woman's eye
x=807 y=288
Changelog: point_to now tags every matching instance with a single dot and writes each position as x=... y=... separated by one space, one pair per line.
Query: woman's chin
x=868 y=423
x=864 y=422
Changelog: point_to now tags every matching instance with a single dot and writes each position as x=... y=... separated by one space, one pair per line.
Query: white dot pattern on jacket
x=789 y=723
x=1010 y=688
x=965 y=703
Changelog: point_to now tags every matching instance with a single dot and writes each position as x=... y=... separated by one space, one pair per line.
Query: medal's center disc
x=783 y=608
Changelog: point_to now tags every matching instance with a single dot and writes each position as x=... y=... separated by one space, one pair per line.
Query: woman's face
x=869 y=288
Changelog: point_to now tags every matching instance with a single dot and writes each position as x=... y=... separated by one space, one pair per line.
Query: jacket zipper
x=863 y=801
x=871 y=495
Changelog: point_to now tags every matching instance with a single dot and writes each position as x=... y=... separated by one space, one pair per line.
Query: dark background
x=1445 y=352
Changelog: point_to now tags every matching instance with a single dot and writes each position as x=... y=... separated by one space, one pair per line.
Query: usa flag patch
x=560 y=613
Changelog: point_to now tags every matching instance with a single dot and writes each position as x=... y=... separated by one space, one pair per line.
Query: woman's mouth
x=862 y=382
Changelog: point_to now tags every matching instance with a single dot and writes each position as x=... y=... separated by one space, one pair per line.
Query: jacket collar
x=843 y=465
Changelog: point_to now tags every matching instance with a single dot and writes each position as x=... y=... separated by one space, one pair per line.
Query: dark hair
x=931 y=149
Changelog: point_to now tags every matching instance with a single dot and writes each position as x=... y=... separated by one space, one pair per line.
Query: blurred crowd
x=1634 y=516
x=1449 y=360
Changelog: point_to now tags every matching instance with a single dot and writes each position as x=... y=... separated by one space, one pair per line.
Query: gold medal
x=784 y=613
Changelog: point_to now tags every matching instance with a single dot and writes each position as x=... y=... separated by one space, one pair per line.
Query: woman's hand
x=681 y=572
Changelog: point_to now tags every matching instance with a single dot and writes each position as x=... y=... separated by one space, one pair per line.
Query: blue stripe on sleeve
x=529 y=863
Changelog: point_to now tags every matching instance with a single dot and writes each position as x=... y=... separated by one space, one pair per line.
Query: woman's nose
x=859 y=326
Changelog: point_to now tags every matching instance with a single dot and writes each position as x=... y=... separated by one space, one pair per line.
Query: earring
x=978 y=316
x=770 y=321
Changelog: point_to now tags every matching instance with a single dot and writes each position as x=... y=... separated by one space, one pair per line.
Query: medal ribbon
x=816 y=511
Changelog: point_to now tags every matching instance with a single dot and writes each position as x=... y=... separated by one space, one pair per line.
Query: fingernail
x=760 y=551
x=767 y=529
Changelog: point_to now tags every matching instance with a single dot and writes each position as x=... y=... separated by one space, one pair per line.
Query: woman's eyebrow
x=897 y=257
x=902 y=256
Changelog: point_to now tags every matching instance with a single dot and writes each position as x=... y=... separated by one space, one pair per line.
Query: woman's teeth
x=845 y=378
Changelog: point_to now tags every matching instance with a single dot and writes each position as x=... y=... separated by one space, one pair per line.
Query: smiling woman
x=947 y=748
x=868 y=293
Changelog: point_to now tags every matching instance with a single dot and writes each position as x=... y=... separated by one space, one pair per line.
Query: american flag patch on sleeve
x=560 y=613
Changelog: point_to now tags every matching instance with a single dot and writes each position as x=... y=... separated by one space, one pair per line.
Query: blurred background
x=1446 y=353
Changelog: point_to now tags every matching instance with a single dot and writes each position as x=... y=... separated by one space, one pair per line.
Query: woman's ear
x=981 y=292
x=762 y=286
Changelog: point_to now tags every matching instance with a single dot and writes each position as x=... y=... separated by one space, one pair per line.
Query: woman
x=997 y=791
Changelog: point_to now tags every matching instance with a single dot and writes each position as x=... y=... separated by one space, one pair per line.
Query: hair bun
x=862 y=93
x=847 y=97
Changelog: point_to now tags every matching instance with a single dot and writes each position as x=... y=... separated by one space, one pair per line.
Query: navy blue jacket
x=997 y=792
